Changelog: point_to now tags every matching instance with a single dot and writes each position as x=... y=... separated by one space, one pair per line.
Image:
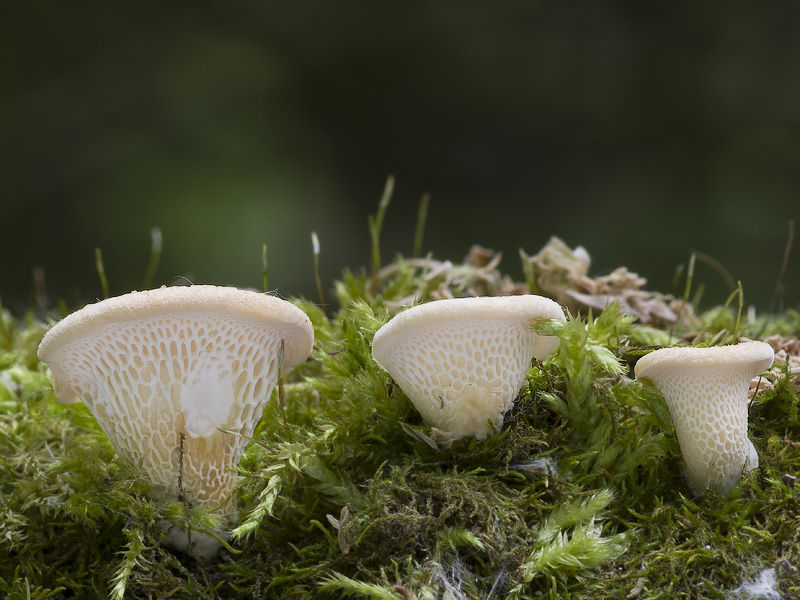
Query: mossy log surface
x=346 y=492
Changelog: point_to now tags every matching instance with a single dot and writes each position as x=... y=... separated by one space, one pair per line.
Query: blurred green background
x=640 y=130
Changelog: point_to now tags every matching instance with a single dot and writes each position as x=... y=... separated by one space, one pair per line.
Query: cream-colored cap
x=463 y=361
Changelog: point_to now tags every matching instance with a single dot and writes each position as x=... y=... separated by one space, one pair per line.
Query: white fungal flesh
x=706 y=392
x=203 y=545
x=147 y=382
x=149 y=378
x=765 y=587
x=463 y=361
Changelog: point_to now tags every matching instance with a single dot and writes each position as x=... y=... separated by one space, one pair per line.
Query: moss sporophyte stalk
x=344 y=489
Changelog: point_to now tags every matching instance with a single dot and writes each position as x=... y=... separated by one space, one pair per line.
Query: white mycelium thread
x=462 y=361
x=190 y=360
x=706 y=392
x=765 y=587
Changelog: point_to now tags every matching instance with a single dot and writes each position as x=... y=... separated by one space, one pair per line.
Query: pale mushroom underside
x=167 y=373
x=460 y=378
x=461 y=365
x=706 y=393
x=148 y=383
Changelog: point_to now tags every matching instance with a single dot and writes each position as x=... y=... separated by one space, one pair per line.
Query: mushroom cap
x=706 y=392
x=747 y=357
x=181 y=361
x=462 y=361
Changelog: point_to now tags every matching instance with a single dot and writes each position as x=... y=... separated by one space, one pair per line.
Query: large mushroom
x=706 y=393
x=462 y=361
x=165 y=371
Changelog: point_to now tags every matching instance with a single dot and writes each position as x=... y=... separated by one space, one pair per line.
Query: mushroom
x=165 y=371
x=706 y=393
x=462 y=361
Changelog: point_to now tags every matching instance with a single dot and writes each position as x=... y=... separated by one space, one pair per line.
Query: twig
x=182 y=497
x=717 y=266
x=280 y=385
x=500 y=574
x=788 y=441
x=755 y=393
x=779 y=283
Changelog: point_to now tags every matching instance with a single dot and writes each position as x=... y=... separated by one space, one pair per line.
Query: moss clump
x=343 y=490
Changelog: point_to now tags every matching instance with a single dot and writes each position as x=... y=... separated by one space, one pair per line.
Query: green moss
x=344 y=492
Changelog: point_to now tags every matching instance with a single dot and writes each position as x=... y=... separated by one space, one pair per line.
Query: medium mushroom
x=706 y=393
x=164 y=371
x=462 y=361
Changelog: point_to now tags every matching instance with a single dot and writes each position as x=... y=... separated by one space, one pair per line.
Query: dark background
x=640 y=130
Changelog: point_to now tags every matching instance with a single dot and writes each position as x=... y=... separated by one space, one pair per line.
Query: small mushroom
x=462 y=361
x=164 y=371
x=706 y=392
